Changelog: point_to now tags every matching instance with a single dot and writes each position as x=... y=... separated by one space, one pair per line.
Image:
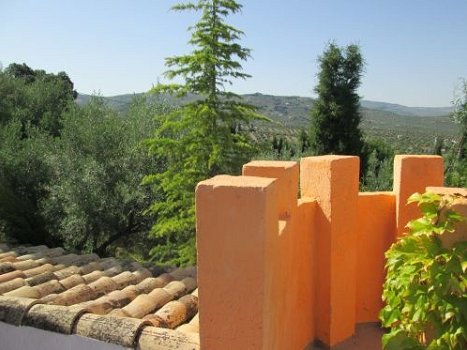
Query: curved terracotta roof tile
x=141 y=274
x=51 y=253
x=12 y=285
x=13 y=309
x=71 y=281
x=6 y=267
x=145 y=304
x=40 y=278
x=11 y=275
x=111 y=301
x=113 y=270
x=55 y=318
x=124 y=279
x=9 y=258
x=66 y=272
x=105 y=299
x=153 y=338
x=75 y=295
x=38 y=270
x=102 y=286
x=117 y=330
x=8 y=255
x=149 y=284
x=89 y=267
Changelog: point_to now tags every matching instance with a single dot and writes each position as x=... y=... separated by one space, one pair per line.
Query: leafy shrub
x=425 y=287
x=94 y=197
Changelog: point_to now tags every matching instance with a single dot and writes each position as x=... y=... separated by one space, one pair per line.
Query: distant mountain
x=408 y=129
x=404 y=110
x=294 y=106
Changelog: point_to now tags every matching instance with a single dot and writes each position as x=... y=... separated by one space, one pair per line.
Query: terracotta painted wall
x=333 y=180
x=375 y=234
x=280 y=272
x=289 y=312
x=413 y=174
x=236 y=220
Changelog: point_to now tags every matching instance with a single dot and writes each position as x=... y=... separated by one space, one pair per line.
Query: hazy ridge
x=397 y=124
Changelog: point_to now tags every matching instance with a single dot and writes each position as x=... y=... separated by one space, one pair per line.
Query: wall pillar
x=290 y=260
x=236 y=220
x=413 y=174
x=286 y=174
x=375 y=234
x=333 y=180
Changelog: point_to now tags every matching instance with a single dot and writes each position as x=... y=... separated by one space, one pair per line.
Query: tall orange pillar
x=413 y=174
x=333 y=180
x=290 y=268
x=376 y=225
x=286 y=173
x=236 y=221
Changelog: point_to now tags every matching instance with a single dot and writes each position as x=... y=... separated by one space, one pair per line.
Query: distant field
x=414 y=132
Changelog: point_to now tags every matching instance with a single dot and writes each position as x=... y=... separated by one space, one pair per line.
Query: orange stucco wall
x=375 y=233
x=290 y=250
x=333 y=180
x=413 y=174
x=280 y=272
x=236 y=219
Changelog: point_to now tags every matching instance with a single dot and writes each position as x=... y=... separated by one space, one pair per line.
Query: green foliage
x=24 y=175
x=425 y=286
x=202 y=137
x=335 y=114
x=379 y=169
x=456 y=170
x=94 y=194
x=460 y=117
x=69 y=175
x=35 y=97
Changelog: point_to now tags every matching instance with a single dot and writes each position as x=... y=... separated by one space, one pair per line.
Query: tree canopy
x=71 y=175
x=335 y=116
x=35 y=97
x=202 y=138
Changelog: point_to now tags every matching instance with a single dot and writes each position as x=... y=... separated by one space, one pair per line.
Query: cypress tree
x=335 y=114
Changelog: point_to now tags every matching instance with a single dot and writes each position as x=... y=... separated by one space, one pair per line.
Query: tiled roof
x=105 y=299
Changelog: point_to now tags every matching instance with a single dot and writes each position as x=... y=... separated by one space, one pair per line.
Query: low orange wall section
x=281 y=268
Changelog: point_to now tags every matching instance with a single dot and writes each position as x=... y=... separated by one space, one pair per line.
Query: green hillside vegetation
x=289 y=114
x=404 y=110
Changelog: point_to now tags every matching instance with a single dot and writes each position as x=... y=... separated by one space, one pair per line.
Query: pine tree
x=204 y=137
x=335 y=114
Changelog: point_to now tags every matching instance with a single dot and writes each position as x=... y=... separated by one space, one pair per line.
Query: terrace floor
x=367 y=337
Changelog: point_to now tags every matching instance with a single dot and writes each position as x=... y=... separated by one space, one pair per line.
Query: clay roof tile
x=67 y=272
x=55 y=318
x=71 y=281
x=102 y=286
x=124 y=279
x=75 y=295
x=38 y=270
x=11 y=275
x=92 y=276
x=12 y=285
x=13 y=309
x=6 y=267
x=153 y=338
x=105 y=299
x=117 y=330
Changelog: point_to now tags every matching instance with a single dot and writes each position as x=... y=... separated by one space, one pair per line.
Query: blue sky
x=415 y=50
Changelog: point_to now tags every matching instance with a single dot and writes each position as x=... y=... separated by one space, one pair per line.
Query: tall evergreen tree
x=335 y=114
x=204 y=137
x=456 y=170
